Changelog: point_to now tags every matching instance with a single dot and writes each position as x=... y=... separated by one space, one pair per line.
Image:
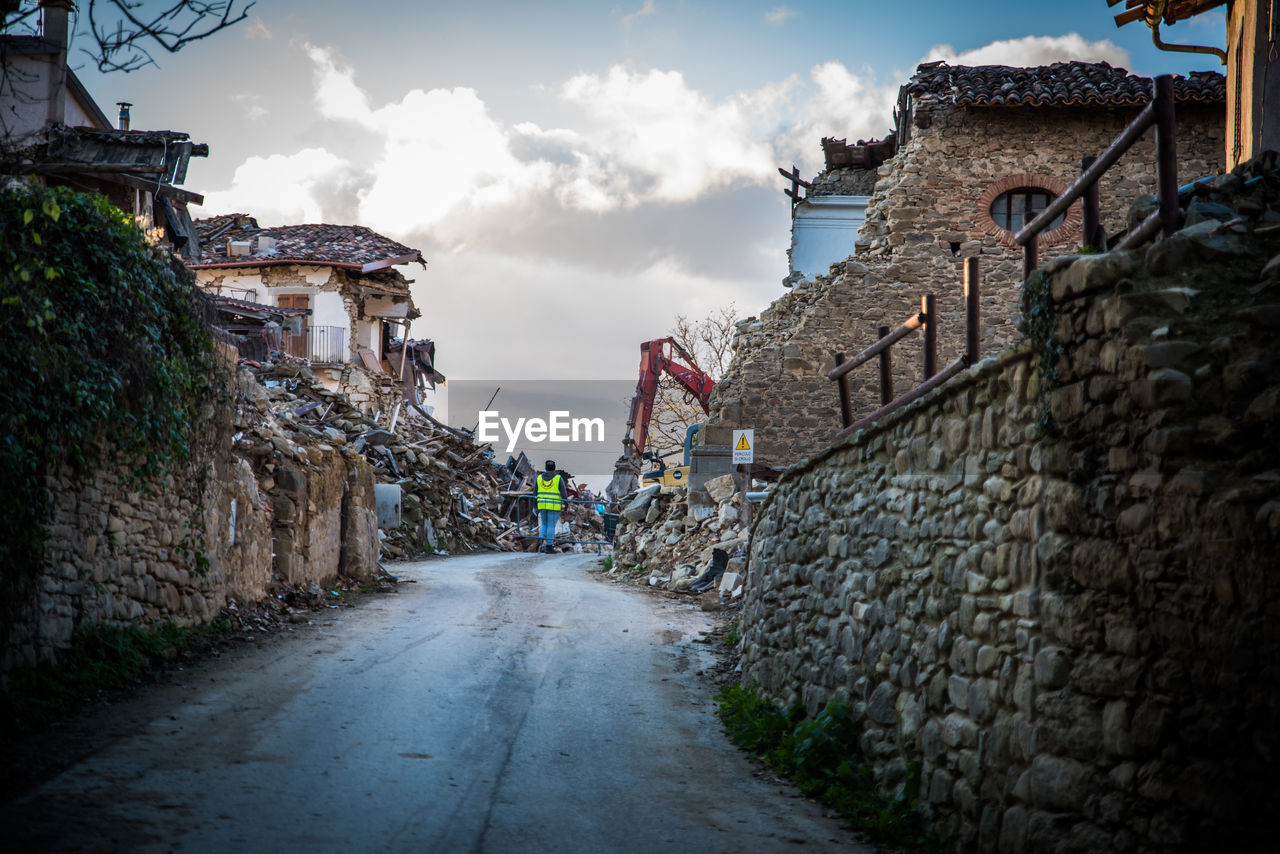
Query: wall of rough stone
x=1050 y=584
x=924 y=219
x=121 y=552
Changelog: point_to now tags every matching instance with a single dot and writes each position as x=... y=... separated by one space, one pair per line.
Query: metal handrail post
x=972 y=277
x=886 y=373
x=1093 y=233
x=928 y=308
x=1166 y=154
x=1030 y=250
x=842 y=383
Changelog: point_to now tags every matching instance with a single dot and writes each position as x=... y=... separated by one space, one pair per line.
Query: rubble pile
x=453 y=496
x=670 y=534
x=450 y=495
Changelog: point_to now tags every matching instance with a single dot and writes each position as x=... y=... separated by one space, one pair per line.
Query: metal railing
x=325 y=344
x=1158 y=112
x=926 y=320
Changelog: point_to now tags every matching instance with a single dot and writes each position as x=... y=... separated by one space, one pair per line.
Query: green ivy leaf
x=27 y=216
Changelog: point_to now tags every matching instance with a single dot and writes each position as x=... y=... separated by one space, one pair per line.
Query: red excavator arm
x=655 y=357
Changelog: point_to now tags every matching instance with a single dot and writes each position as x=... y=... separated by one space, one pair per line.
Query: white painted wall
x=823 y=231
x=327 y=309
x=24 y=90
x=385 y=307
x=369 y=335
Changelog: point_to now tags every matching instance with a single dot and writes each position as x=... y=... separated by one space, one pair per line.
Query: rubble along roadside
x=667 y=537
x=454 y=496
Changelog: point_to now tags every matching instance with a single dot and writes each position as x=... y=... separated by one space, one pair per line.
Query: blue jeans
x=547 y=520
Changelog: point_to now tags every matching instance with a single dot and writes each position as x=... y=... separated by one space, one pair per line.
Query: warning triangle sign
x=742 y=444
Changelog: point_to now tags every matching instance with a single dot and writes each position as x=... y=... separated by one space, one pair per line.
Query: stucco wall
x=924 y=219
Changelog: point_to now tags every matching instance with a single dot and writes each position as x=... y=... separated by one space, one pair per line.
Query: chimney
x=54 y=21
x=54 y=28
x=124 y=114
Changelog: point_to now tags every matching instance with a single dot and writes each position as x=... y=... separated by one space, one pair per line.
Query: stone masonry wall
x=1051 y=584
x=925 y=217
x=121 y=553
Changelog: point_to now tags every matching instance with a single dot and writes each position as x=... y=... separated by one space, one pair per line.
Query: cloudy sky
x=577 y=173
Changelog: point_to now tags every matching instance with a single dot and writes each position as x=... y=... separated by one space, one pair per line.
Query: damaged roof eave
x=371 y=267
x=394 y=262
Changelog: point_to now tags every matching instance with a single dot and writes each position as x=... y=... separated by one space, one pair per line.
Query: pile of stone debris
x=452 y=494
x=449 y=494
x=670 y=535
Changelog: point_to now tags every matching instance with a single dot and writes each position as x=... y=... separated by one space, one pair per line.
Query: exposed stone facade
x=123 y=552
x=1051 y=581
x=930 y=211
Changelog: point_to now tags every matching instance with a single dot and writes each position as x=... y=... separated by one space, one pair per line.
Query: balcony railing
x=320 y=344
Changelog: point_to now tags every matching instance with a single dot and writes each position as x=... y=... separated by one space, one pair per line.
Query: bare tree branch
x=173 y=27
x=124 y=32
x=710 y=340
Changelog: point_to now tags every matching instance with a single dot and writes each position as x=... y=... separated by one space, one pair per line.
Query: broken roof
x=1062 y=84
x=351 y=247
x=1170 y=11
x=245 y=308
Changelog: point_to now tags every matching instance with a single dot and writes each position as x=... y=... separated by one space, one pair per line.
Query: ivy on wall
x=102 y=346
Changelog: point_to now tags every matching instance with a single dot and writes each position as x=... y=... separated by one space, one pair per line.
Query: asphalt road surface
x=503 y=703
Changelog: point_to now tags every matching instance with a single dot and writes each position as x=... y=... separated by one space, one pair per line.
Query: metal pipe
x=846 y=406
x=915 y=394
x=911 y=324
x=928 y=310
x=1141 y=234
x=1166 y=153
x=972 y=280
x=1184 y=48
x=1104 y=161
x=1093 y=233
x=886 y=373
x=1030 y=261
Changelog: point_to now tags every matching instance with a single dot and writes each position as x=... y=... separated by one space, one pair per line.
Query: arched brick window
x=1010 y=203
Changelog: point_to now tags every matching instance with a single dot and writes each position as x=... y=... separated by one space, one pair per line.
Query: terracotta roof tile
x=1062 y=84
x=348 y=246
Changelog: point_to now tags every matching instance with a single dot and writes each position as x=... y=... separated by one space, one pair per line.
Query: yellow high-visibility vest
x=549 y=494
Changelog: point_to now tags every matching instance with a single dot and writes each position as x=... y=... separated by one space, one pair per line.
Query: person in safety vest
x=552 y=495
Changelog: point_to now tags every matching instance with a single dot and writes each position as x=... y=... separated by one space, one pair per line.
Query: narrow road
x=503 y=703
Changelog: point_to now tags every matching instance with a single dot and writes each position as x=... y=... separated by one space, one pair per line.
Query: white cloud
x=1034 y=50
x=281 y=189
x=647 y=9
x=337 y=95
x=442 y=162
x=249 y=103
x=780 y=14
x=840 y=104
x=256 y=29
x=653 y=138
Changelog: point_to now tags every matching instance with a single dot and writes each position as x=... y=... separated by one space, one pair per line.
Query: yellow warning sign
x=742 y=443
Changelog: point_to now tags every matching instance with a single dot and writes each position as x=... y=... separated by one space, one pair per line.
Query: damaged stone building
x=53 y=129
x=331 y=295
x=976 y=153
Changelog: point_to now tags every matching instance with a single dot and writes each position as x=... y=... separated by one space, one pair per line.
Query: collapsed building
x=53 y=129
x=329 y=294
x=976 y=153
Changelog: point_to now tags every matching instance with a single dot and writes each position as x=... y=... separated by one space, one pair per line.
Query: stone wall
x=1050 y=584
x=842 y=181
x=122 y=552
x=926 y=216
